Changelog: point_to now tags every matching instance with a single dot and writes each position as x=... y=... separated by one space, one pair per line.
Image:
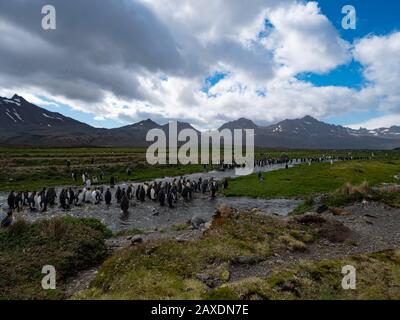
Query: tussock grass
x=377 y=277
x=69 y=244
x=169 y=269
x=355 y=193
x=200 y=269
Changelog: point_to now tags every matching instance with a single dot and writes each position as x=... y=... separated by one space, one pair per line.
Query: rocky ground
x=371 y=227
x=366 y=227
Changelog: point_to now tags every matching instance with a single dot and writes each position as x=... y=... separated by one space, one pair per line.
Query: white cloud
x=214 y=20
x=386 y=121
x=380 y=56
x=158 y=70
x=304 y=40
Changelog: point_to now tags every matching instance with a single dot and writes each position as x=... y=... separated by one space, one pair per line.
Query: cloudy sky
x=110 y=63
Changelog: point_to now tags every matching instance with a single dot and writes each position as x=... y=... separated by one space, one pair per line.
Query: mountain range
x=25 y=124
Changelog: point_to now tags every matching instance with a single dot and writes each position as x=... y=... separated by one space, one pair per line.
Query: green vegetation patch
x=171 y=269
x=34 y=168
x=68 y=244
x=377 y=277
x=200 y=269
x=305 y=180
x=349 y=193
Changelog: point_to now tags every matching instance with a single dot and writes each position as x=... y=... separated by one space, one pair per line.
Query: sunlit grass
x=305 y=180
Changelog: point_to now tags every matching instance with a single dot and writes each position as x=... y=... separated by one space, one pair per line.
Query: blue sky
x=373 y=18
x=67 y=111
x=206 y=62
x=212 y=80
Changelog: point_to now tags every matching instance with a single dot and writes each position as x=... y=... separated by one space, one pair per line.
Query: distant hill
x=25 y=124
x=310 y=133
x=239 y=124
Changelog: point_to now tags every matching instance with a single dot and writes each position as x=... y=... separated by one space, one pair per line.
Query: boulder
x=247 y=260
x=339 y=212
x=197 y=221
x=136 y=240
x=207 y=225
x=321 y=209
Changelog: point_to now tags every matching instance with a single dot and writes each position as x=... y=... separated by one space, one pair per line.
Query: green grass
x=179 y=227
x=349 y=194
x=391 y=198
x=68 y=244
x=377 y=277
x=169 y=269
x=56 y=177
x=304 y=180
x=34 y=168
x=304 y=207
x=175 y=228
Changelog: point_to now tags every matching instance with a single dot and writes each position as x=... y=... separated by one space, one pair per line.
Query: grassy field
x=34 y=168
x=196 y=269
x=171 y=269
x=168 y=269
x=305 y=180
x=68 y=244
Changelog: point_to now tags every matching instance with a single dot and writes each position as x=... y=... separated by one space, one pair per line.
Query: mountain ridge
x=25 y=124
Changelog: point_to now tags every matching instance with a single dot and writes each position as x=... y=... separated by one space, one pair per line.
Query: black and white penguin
x=63 y=199
x=7 y=221
x=71 y=196
x=11 y=200
x=118 y=195
x=142 y=194
x=161 y=197
x=170 y=199
x=108 y=197
x=125 y=203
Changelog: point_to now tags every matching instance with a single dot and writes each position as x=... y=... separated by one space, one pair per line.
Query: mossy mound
x=68 y=244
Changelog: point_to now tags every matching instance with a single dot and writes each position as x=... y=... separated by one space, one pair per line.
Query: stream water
x=150 y=215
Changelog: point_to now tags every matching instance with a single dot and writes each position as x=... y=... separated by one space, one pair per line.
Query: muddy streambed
x=150 y=215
